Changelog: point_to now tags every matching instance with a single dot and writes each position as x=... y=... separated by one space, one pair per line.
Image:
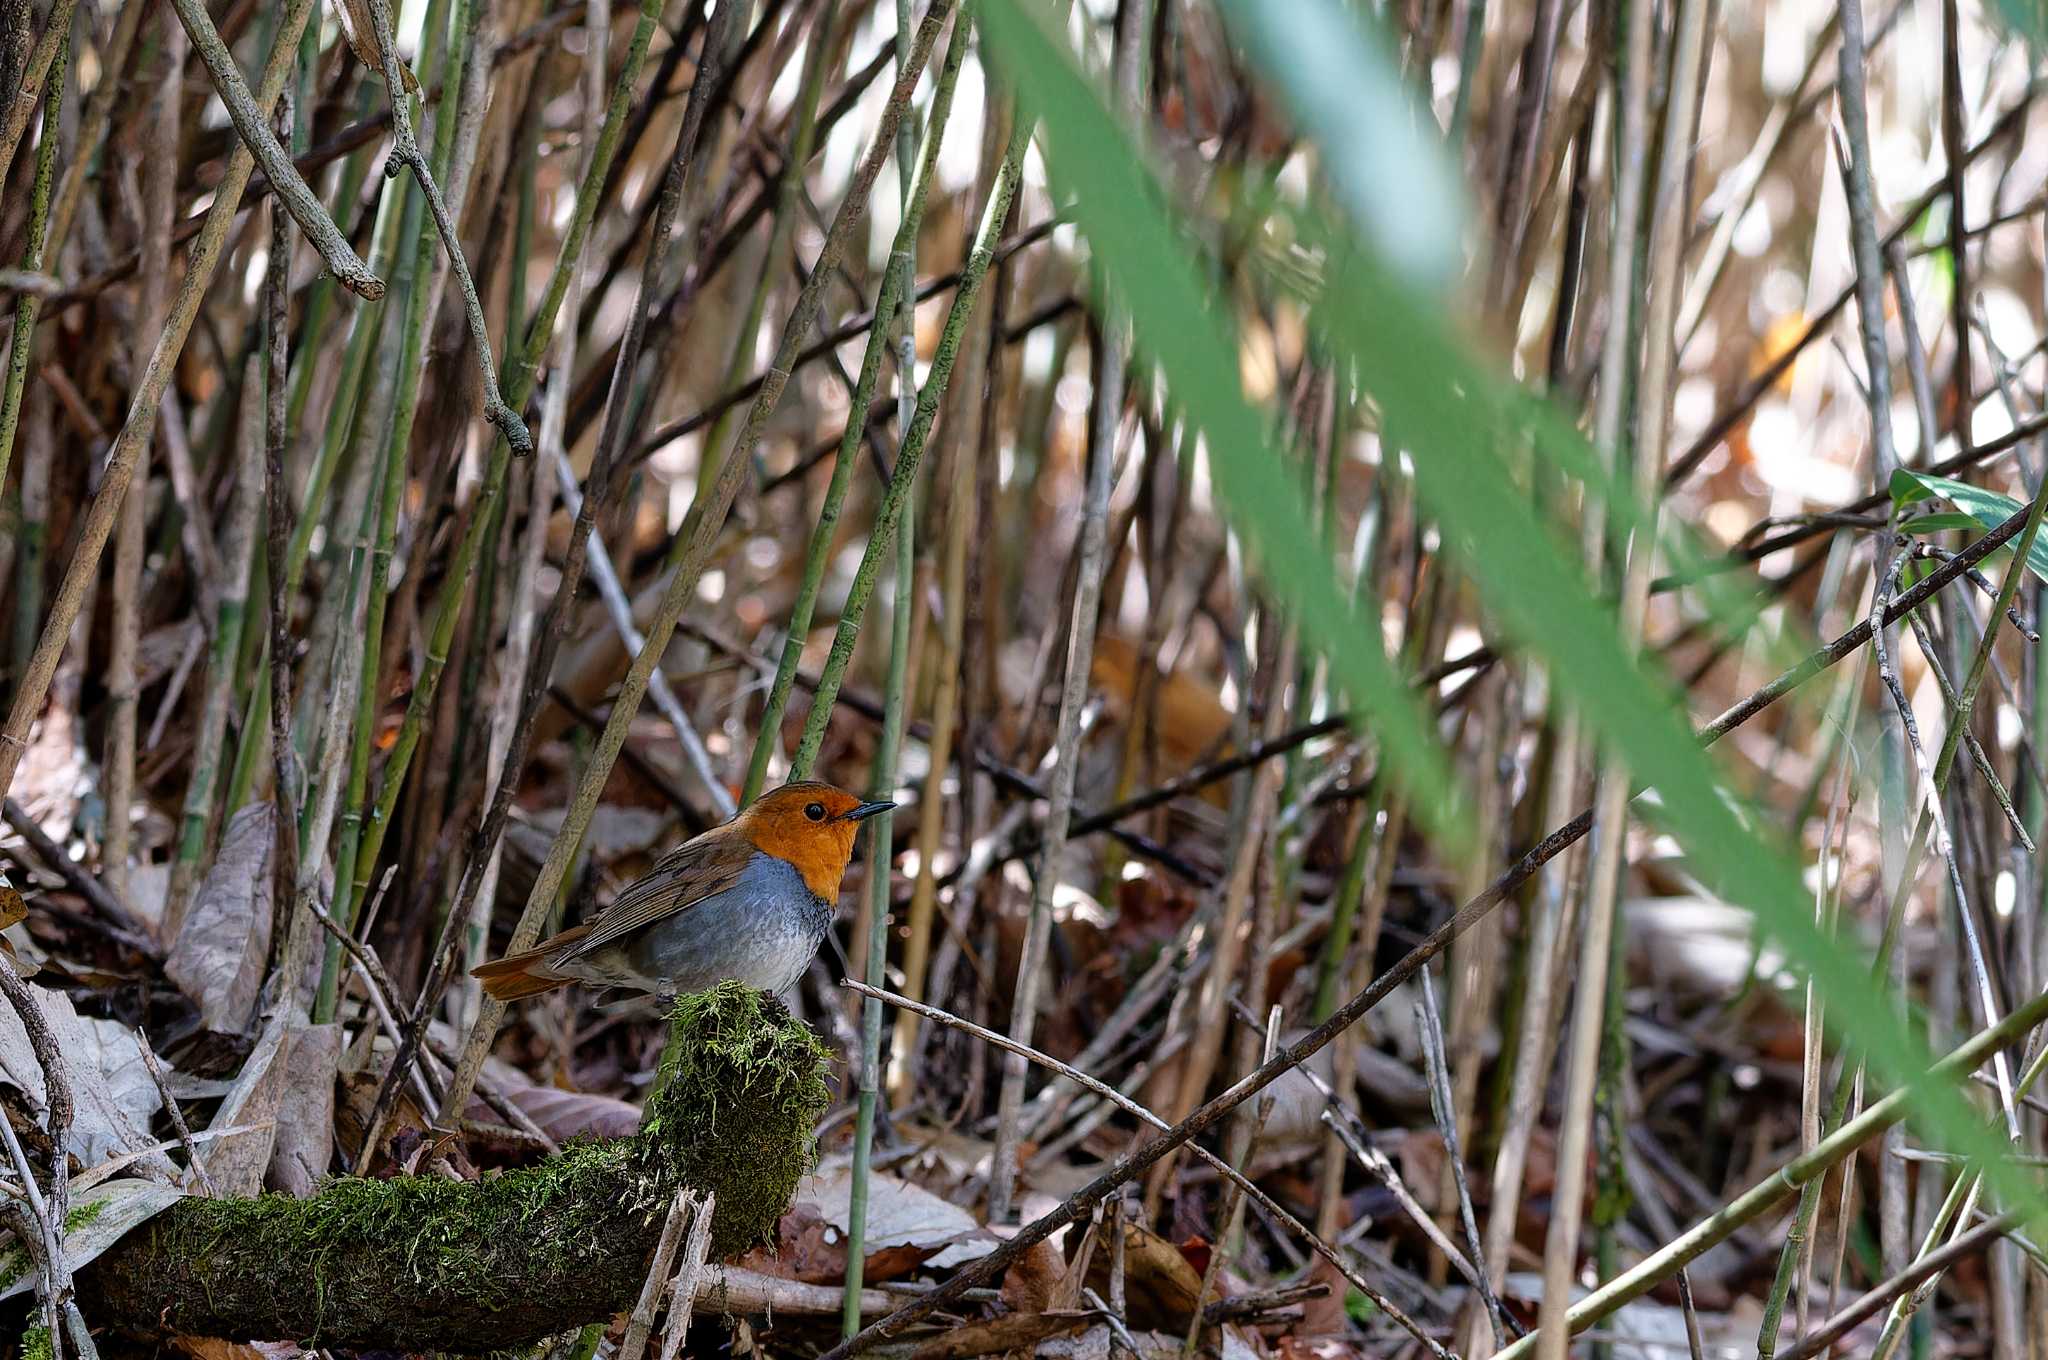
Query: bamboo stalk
x=516 y=384
x=29 y=304
x=20 y=104
x=896 y=697
x=819 y=551
x=159 y=181
x=98 y=521
x=908 y=455
x=682 y=585
x=1560 y=1256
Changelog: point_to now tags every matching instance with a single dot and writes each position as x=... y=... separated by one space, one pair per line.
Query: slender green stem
x=98 y=521
x=28 y=304
x=880 y=854
x=418 y=275
x=682 y=586
x=903 y=264
x=786 y=186
x=819 y=551
x=911 y=452
x=344 y=418
x=522 y=363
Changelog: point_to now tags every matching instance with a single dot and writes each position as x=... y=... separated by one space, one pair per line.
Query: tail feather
x=528 y=973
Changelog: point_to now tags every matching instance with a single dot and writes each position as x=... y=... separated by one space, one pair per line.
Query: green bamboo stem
x=92 y=128
x=880 y=855
x=819 y=551
x=421 y=275
x=320 y=298
x=17 y=106
x=896 y=698
x=740 y=361
x=238 y=552
x=345 y=418
x=1969 y=1187
x=911 y=452
x=98 y=522
x=682 y=587
x=28 y=304
x=522 y=364
x=370 y=446
x=1772 y=1191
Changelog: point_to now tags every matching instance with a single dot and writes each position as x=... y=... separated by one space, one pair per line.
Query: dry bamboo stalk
x=99 y=518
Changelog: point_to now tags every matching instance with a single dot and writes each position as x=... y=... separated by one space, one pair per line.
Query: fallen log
x=425 y=1263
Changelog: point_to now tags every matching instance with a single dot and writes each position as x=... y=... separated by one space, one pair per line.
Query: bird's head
x=811 y=825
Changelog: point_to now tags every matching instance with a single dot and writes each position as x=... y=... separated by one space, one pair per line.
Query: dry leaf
x=224 y=946
x=1033 y=1282
x=100 y=1216
x=305 y=1115
x=361 y=33
x=113 y=1097
x=563 y=1115
x=1160 y=1286
x=237 y=1162
x=900 y=1213
x=1013 y=1331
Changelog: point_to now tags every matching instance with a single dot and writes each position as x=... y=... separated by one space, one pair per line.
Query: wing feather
x=679 y=880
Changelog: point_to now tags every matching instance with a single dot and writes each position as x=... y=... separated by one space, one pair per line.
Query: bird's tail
x=518 y=975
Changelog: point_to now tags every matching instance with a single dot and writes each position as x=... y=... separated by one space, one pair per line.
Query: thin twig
x=252 y=123
x=406 y=155
x=1075 y=1207
x=163 y=1089
x=98 y=523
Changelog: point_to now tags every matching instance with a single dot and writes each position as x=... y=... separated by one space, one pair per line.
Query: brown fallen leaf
x=1160 y=1285
x=1013 y=1331
x=813 y=1251
x=1033 y=1282
x=214 y=1348
x=12 y=909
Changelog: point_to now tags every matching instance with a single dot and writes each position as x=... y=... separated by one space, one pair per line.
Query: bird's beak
x=860 y=812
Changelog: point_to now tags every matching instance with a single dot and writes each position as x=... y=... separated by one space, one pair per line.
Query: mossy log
x=423 y=1263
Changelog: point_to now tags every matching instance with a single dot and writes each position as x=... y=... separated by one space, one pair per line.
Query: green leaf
x=1188 y=333
x=1941 y=522
x=1454 y=418
x=1342 y=79
x=1981 y=509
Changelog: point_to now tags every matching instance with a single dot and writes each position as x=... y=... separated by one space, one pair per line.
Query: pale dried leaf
x=112 y=1094
x=305 y=1115
x=221 y=951
x=899 y=1213
x=237 y=1162
x=361 y=33
x=148 y=885
x=100 y=1216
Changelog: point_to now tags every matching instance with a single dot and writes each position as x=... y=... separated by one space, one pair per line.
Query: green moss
x=35 y=1343
x=740 y=1087
x=14 y=1262
x=418 y=1260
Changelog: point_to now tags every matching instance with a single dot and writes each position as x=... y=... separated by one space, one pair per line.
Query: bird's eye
x=815 y=811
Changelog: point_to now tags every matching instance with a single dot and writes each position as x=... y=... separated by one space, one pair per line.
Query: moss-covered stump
x=421 y=1263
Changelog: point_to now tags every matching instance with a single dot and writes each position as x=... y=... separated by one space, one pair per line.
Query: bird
x=749 y=900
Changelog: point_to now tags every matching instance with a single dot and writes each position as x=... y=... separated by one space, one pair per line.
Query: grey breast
x=762 y=931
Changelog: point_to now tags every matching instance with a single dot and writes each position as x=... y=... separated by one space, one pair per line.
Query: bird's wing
x=679 y=880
